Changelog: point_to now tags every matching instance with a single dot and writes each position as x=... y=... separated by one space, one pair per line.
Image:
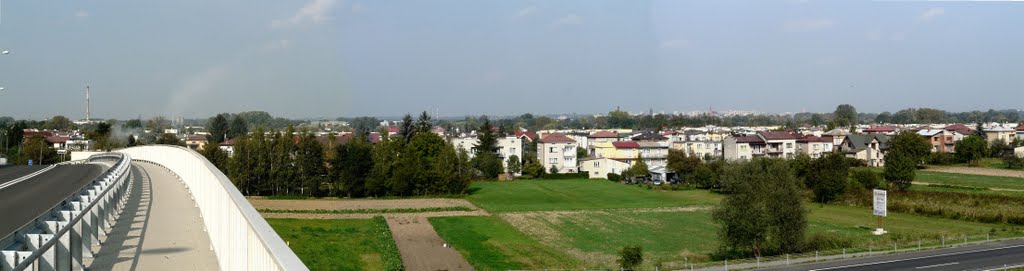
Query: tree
x=999 y=148
x=217 y=126
x=533 y=168
x=553 y=169
x=630 y=257
x=867 y=178
x=486 y=159
x=352 y=166
x=899 y=171
x=801 y=165
x=309 y=165
x=514 y=166
x=169 y=139
x=60 y=123
x=911 y=144
x=214 y=154
x=36 y=148
x=763 y=209
x=238 y=127
x=423 y=124
x=845 y=115
x=581 y=152
x=408 y=129
x=971 y=149
x=364 y=125
x=619 y=119
x=884 y=117
x=638 y=169
x=827 y=177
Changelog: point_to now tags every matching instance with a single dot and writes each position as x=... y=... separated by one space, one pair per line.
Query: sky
x=331 y=58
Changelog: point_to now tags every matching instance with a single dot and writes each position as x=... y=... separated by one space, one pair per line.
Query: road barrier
x=58 y=240
x=241 y=238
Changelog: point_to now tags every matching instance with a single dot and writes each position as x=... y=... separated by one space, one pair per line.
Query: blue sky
x=331 y=58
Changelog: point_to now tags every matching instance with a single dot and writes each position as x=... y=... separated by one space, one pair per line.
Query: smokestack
x=87 y=113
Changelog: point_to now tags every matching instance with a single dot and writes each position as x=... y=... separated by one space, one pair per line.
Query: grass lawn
x=964 y=179
x=547 y=195
x=488 y=243
x=989 y=163
x=340 y=244
x=970 y=180
x=583 y=223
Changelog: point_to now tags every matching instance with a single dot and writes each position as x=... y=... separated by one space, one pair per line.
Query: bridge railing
x=241 y=238
x=59 y=239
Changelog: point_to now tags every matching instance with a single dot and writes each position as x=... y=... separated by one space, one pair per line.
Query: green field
x=340 y=244
x=587 y=221
x=970 y=180
x=547 y=195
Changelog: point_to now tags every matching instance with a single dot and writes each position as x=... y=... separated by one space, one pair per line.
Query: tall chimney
x=87 y=114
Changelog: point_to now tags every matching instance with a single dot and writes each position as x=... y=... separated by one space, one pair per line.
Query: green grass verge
x=970 y=180
x=340 y=244
x=488 y=243
x=372 y=211
x=546 y=195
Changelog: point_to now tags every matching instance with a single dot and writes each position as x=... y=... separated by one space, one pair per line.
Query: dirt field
x=417 y=241
x=357 y=204
x=979 y=171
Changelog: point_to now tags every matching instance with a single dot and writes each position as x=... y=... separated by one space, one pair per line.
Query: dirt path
x=421 y=248
x=417 y=241
x=357 y=204
x=979 y=171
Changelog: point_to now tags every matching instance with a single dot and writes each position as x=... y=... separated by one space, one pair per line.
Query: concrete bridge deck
x=160 y=228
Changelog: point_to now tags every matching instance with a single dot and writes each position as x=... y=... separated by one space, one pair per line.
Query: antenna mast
x=87 y=113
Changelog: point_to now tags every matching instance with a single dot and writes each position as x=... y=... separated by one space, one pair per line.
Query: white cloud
x=675 y=44
x=316 y=11
x=931 y=14
x=81 y=14
x=808 y=25
x=571 y=19
x=526 y=12
x=358 y=8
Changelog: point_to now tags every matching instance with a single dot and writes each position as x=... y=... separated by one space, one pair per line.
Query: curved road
x=22 y=202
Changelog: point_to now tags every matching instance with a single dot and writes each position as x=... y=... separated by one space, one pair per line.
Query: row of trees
x=415 y=162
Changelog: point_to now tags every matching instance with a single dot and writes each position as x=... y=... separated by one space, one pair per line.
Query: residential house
x=507 y=146
x=228 y=146
x=743 y=147
x=942 y=140
x=598 y=168
x=959 y=128
x=196 y=142
x=600 y=137
x=1020 y=131
x=702 y=149
x=837 y=134
x=654 y=153
x=649 y=137
x=882 y=129
x=557 y=150
x=996 y=131
x=869 y=148
x=814 y=146
x=779 y=144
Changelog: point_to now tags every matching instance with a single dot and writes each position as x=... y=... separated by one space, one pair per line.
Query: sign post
x=880 y=209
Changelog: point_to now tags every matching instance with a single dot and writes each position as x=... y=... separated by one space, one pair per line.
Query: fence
x=881 y=248
x=59 y=242
x=241 y=238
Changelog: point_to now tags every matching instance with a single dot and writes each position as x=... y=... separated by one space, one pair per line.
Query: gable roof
x=880 y=129
x=603 y=134
x=861 y=141
x=528 y=134
x=963 y=129
x=556 y=138
x=626 y=144
x=778 y=135
x=749 y=139
x=929 y=132
x=649 y=136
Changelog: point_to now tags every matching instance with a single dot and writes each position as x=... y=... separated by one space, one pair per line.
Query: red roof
x=196 y=138
x=603 y=134
x=960 y=128
x=626 y=145
x=810 y=138
x=57 y=139
x=779 y=135
x=229 y=142
x=528 y=134
x=1020 y=127
x=392 y=129
x=556 y=138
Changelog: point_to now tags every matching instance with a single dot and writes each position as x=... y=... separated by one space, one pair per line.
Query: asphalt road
x=13 y=172
x=25 y=201
x=981 y=257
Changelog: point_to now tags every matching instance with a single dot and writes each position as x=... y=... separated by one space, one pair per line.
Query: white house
x=742 y=147
x=557 y=150
x=814 y=146
x=507 y=146
x=598 y=168
x=869 y=148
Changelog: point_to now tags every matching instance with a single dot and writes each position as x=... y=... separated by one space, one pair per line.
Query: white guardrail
x=241 y=238
x=58 y=239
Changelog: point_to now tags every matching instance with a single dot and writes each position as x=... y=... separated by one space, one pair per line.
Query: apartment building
x=941 y=140
x=557 y=150
x=814 y=146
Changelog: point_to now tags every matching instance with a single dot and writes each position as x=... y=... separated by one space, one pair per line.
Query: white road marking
x=936 y=265
x=916 y=258
x=26 y=177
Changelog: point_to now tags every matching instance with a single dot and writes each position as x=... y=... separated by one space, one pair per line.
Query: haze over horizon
x=330 y=58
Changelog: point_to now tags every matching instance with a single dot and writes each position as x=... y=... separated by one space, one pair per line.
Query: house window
x=552 y=160
x=789 y=145
x=512 y=150
x=552 y=150
x=597 y=164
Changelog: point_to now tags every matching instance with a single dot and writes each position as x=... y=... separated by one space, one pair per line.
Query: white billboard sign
x=880 y=202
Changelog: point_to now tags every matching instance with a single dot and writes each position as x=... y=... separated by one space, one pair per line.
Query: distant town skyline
x=331 y=58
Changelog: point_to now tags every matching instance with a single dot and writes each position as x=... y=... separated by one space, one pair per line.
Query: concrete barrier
x=241 y=238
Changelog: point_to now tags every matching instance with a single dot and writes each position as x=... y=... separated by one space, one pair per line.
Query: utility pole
x=87 y=113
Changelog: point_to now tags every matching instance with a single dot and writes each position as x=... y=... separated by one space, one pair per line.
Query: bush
x=567 y=176
x=820 y=241
x=630 y=257
x=854 y=162
x=941 y=158
x=866 y=178
x=614 y=177
x=1013 y=161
